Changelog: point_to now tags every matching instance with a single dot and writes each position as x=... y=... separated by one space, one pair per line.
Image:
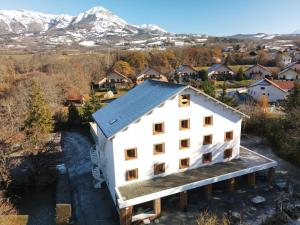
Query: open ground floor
x=95 y=206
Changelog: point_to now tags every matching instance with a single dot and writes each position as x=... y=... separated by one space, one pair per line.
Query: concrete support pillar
x=157 y=207
x=183 y=200
x=251 y=179
x=208 y=192
x=230 y=185
x=270 y=175
x=126 y=215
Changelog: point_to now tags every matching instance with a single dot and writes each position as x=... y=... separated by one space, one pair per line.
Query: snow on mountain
x=96 y=20
x=151 y=27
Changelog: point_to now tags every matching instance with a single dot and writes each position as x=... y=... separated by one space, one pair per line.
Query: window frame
x=180 y=163
x=181 y=98
x=211 y=123
x=158 y=172
x=158 y=132
x=225 y=156
x=209 y=159
x=156 y=152
x=130 y=178
x=130 y=158
x=184 y=128
x=211 y=139
x=184 y=139
x=231 y=135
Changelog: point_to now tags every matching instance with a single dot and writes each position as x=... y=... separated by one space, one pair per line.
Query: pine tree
x=40 y=117
x=73 y=115
x=91 y=106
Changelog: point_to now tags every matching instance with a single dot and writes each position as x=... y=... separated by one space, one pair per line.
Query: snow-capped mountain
x=96 y=20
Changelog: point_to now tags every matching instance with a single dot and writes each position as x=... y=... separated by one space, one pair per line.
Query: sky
x=212 y=17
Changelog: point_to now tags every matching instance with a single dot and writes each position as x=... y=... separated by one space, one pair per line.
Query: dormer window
x=184 y=100
x=158 y=128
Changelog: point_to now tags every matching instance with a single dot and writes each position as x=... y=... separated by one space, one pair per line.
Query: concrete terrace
x=248 y=162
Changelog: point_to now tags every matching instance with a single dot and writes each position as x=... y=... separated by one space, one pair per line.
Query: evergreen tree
x=208 y=88
x=225 y=98
x=91 y=106
x=40 y=117
x=73 y=115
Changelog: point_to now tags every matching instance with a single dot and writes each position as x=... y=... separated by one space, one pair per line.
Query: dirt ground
x=94 y=206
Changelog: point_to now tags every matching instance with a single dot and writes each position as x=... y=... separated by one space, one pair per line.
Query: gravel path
x=90 y=206
x=285 y=169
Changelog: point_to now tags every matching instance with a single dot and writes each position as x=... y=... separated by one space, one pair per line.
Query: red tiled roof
x=287 y=85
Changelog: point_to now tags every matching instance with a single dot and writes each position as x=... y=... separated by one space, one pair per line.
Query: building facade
x=160 y=130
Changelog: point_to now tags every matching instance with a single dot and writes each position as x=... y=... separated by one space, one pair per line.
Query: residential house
x=286 y=60
x=257 y=72
x=149 y=73
x=286 y=85
x=295 y=66
x=75 y=99
x=266 y=87
x=161 y=139
x=116 y=79
x=289 y=74
x=184 y=71
x=219 y=69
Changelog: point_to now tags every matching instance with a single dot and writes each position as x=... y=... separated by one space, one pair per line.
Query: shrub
x=206 y=218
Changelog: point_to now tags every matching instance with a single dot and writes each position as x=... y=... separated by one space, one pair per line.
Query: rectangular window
x=131 y=174
x=184 y=163
x=159 y=168
x=184 y=100
x=158 y=128
x=158 y=148
x=207 y=139
x=228 y=153
x=228 y=136
x=130 y=154
x=208 y=121
x=184 y=124
x=184 y=143
x=206 y=158
x=262 y=88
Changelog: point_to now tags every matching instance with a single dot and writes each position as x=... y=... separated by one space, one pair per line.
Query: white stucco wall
x=221 y=70
x=107 y=161
x=289 y=75
x=256 y=70
x=139 y=135
x=274 y=94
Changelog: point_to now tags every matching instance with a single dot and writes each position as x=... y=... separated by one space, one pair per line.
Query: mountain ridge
x=98 y=19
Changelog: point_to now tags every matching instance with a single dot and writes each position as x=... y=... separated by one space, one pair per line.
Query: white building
x=266 y=87
x=289 y=74
x=149 y=73
x=219 y=69
x=257 y=72
x=114 y=77
x=149 y=138
x=185 y=70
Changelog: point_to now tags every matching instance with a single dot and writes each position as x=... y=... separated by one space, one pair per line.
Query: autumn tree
x=123 y=67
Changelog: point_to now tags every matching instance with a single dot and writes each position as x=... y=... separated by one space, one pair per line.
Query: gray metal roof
x=126 y=109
